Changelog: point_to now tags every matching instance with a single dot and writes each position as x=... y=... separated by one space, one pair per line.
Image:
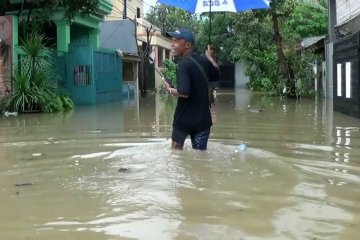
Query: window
x=160 y=56
x=82 y=75
x=339 y=82
x=138 y=15
x=348 y=79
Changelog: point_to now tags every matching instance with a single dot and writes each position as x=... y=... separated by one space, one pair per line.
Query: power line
x=131 y=8
x=142 y=1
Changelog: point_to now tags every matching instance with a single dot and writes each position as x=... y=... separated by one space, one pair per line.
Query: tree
x=37 y=15
x=308 y=19
x=71 y=7
x=254 y=45
x=265 y=40
x=170 y=18
x=222 y=37
x=281 y=9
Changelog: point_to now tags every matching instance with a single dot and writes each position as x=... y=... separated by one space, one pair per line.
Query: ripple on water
x=147 y=195
x=216 y=193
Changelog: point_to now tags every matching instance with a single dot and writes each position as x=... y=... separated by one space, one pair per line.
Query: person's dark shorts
x=199 y=140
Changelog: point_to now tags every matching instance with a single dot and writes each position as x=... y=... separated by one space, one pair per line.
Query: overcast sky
x=147 y=4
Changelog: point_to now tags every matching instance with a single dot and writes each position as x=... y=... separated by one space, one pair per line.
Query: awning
x=119 y=35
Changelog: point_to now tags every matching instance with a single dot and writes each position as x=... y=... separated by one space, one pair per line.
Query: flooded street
x=106 y=172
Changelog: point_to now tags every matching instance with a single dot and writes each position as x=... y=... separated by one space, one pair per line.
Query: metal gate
x=90 y=77
x=80 y=74
x=108 y=77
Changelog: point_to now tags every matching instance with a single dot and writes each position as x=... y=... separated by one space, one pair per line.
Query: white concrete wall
x=240 y=78
x=118 y=9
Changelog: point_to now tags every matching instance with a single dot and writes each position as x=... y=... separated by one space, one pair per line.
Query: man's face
x=178 y=46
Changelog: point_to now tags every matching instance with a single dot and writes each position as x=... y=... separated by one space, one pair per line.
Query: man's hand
x=210 y=55
x=166 y=85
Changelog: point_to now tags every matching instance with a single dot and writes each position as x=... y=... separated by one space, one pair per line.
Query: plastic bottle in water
x=10 y=114
x=242 y=147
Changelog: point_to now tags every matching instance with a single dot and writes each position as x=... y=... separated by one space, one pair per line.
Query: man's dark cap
x=182 y=33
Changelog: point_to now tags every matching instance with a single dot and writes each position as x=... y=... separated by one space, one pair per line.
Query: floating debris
x=23 y=184
x=51 y=140
x=7 y=114
x=124 y=170
x=242 y=147
x=255 y=110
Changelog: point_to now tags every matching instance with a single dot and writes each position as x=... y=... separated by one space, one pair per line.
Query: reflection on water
x=107 y=172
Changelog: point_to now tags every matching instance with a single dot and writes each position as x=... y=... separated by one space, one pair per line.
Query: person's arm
x=171 y=90
x=214 y=70
x=210 y=55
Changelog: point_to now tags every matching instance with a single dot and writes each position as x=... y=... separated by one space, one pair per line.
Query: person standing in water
x=192 y=114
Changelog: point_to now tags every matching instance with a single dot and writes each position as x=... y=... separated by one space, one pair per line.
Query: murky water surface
x=107 y=172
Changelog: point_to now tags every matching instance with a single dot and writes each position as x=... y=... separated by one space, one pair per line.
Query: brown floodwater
x=107 y=172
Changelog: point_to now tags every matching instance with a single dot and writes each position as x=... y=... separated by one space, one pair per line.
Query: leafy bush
x=33 y=88
x=169 y=72
x=303 y=81
x=67 y=102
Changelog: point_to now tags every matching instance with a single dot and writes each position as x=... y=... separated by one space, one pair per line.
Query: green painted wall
x=62 y=36
x=15 y=39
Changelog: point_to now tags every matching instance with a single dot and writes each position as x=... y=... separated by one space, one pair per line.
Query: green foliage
x=34 y=89
x=308 y=19
x=255 y=45
x=36 y=14
x=249 y=37
x=221 y=36
x=253 y=32
x=24 y=96
x=58 y=103
x=70 y=7
x=67 y=102
x=53 y=105
x=304 y=75
x=170 y=18
x=169 y=72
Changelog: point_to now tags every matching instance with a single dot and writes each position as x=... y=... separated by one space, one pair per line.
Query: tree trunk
x=280 y=52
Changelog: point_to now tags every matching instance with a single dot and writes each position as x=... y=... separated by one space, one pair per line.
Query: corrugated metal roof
x=307 y=42
x=119 y=35
x=346 y=10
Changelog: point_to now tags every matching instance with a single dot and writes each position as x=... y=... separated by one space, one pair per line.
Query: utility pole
x=332 y=20
x=125 y=10
x=329 y=49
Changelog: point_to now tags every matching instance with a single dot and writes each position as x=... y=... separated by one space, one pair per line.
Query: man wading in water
x=192 y=114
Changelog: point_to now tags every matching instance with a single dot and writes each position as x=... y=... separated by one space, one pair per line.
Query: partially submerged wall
x=5 y=75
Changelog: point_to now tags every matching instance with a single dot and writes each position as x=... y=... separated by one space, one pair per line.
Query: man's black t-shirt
x=192 y=114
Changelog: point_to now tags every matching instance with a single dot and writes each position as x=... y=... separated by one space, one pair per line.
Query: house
x=119 y=35
x=342 y=54
x=160 y=46
x=89 y=73
x=126 y=9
